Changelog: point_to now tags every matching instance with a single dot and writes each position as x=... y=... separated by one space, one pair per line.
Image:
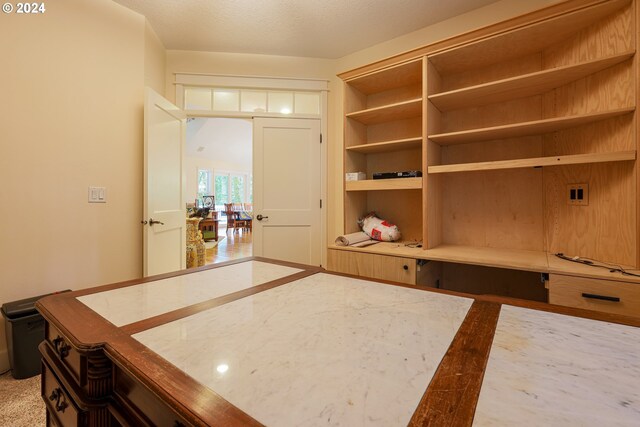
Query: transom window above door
x=247 y=96
x=251 y=101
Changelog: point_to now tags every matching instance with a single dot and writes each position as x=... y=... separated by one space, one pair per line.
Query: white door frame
x=183 y=80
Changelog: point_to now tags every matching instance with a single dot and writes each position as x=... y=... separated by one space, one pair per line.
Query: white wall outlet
x=97 y=195
x=578 y=194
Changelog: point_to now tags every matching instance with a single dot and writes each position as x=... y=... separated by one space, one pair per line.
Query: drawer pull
x=61 y=401
x=61 y=347
x=405 y=267
x=600 y=297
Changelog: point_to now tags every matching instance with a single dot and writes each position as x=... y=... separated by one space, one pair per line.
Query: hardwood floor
x=236 y=244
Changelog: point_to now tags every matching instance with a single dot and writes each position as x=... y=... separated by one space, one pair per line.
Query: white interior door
x=287 y=183
x=164 y=247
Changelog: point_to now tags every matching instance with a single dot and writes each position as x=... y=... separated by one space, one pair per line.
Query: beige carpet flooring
x=20 y=402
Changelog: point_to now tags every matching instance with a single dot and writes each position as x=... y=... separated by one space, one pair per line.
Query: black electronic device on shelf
x=404 y=174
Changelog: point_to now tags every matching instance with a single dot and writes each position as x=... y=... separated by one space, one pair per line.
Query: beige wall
x=155 y=59
x=71 y=117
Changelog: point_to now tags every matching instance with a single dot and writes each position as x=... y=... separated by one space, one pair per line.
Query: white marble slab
x=133 y=303
x=324 y=350
x=547 y=369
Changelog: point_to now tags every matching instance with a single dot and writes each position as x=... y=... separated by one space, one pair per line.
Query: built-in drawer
x=396 y=269
x=61 y=410
x=593 y=294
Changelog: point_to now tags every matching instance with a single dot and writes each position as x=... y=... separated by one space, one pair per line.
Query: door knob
x=153 y=221
x=260 y=217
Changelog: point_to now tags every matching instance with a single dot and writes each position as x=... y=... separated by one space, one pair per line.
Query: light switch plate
x=97 y=195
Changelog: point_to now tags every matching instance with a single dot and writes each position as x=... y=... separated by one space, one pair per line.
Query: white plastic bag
x=379 y=229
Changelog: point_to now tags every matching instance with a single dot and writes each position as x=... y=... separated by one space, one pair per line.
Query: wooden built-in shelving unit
x=531 y=109
x=383 y=133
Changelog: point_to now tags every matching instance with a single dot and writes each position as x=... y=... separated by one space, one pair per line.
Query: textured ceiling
x=311 y=28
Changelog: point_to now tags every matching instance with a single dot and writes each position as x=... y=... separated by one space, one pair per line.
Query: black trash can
x=24 y=328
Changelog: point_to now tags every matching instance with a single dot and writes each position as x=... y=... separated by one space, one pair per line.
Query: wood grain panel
x=536 y=127
x=503 y=149
x=504 y=113
x=609 y=35
x=550 y=12
x=394 y=161
x=490 y=257
x=606 y=136
x=432 y=191
x=353 y=99
x=355 y=133
x=393 y=96
x=502 y=70
x=521 y=85
x=453 y=393
x=388 y=78
x=636 y=126
x=604 y=230
x=388 y=146
x=569 y=290
x=400 y=110
x=398 y=129
x=401 y=207
x=354 y=162
x=493 y=209
x=355 y=206
x=609 y=89
x=530 y=39
x=402 y=270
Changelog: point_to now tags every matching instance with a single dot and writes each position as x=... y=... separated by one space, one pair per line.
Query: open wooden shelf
x=388 y=113
x=562 y=266
x=535 y=127
x=386 y=146
x=384 y=184
x=573 y=159
x=389 y=78
x=521 y=41
x=490 y=257
x=521 y=86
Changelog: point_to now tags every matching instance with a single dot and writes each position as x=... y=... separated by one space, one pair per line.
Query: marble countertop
x=130 y=304
x=548 y=369
x=323 y=350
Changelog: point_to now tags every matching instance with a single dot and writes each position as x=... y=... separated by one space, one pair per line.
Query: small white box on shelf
x=355 y=176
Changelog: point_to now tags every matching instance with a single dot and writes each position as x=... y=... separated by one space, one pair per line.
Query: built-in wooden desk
x=262 y=342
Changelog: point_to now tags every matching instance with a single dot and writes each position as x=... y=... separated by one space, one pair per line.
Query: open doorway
x=218 y=166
